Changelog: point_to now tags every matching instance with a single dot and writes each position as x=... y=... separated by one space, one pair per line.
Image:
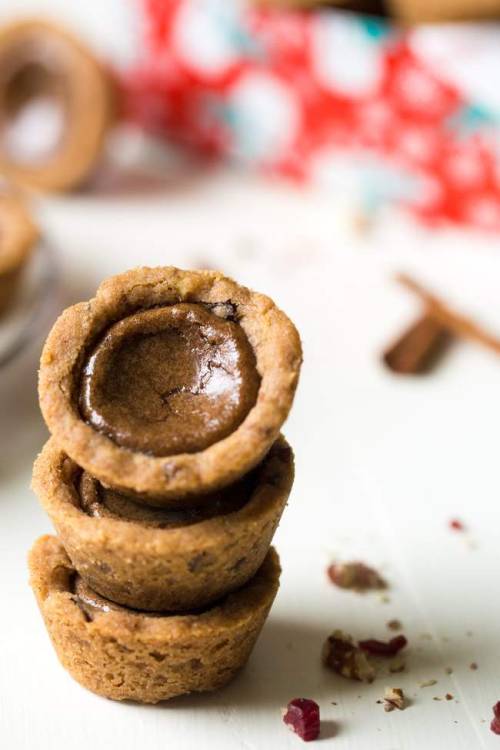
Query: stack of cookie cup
x=165 y=478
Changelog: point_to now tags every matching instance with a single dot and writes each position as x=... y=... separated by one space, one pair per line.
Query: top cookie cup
x=169 y=384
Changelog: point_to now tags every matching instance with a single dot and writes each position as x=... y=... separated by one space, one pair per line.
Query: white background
x=382 y=465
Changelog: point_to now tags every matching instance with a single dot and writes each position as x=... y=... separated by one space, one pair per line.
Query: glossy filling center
x=102 y=502
x=170 y=380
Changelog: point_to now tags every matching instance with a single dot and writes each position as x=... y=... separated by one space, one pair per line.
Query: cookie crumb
x=356 y=576
x=394 y=625
x=427 y=683
x=473 y=666
x=448 y=670
x=449 y=696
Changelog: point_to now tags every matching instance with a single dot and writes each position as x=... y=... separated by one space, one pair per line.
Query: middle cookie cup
x=157 y=560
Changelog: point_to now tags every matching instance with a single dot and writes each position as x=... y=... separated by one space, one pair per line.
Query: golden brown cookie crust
x=174 y=480
x=131 y=655
x=175 y=569
x=18 y=236
x=90 y=103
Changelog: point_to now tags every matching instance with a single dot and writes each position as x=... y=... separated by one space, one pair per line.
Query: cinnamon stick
x=418 y=350
x=450 y=319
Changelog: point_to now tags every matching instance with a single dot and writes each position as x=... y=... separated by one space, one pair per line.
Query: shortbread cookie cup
x=41 y=62
x=18 y=235
x=173 y=480
x=125 y=654
x=175 y=569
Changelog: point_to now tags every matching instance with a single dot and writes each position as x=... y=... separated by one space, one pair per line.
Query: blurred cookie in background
x=406 y=11
x=375 y=7
x=57 y=103
x=28 y=281
x=18 y=235
x=430 y=11
x=30 y=299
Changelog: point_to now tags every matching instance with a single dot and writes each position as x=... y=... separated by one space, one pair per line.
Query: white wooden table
x=382 y=465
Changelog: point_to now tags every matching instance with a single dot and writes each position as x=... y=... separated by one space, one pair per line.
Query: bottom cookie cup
x=147 y=657
x=158 y=560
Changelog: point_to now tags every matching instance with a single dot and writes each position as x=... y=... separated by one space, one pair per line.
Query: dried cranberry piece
x=384 y=648
x=302 y=717
x=495 y=723
x=456 y=525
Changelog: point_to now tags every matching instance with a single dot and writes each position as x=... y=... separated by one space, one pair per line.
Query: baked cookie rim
x=50 y=576
x=53 y=484
x=278 y=353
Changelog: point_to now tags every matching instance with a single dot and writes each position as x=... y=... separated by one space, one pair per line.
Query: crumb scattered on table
x=394 y=699
x=395 y=625
x=356 y=576
x=427 y=683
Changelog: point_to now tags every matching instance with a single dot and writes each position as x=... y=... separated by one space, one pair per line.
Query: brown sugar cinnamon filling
x=101 y=502
x=169 y=380
x=94 y=605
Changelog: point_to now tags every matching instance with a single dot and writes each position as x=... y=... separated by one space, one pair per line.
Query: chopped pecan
x=394 y=698
x=342 y=655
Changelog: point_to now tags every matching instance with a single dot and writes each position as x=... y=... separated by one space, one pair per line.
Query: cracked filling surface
x=170 y=380
x=101 y=502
